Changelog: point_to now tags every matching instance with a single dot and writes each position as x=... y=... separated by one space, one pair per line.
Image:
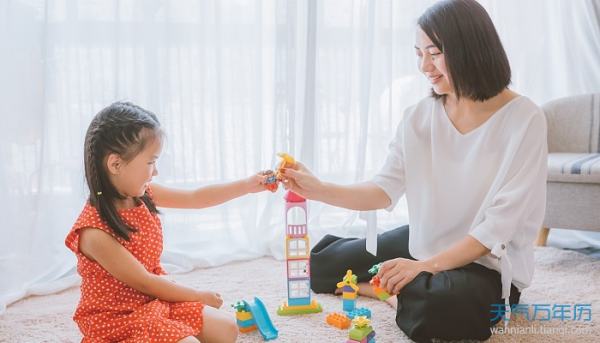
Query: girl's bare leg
x=219 y=326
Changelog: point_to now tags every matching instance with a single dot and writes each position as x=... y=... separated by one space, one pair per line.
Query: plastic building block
x=349 y=295
x=261 y=318
x=287 y=310
x=253 y=316
x=381 y=293
x=362 y=329
x=274 y=177
x=348 y=284
x=363 y=311
x=271 y=183
x=348 y=305
x=375 y=282
x=244 y=319
x=297 y=253
x=375 y=269
x=339 y=320
x=247 y=329
x=369 y=339
x=286 y=161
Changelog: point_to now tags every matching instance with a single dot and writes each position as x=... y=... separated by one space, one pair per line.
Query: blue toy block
x=245 y=323
x=299 y=301
x=349 y=305
x=348 y=289
x=363 y=311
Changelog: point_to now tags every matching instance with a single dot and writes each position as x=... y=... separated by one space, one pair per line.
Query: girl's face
x=432 y=64
x=132 y=178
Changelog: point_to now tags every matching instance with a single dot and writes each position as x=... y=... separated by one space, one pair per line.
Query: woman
x=471 y=160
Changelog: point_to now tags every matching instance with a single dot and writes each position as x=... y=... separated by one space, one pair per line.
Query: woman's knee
x=435 y=306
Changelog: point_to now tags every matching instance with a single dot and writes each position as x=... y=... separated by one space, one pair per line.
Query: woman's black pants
x=450 y=305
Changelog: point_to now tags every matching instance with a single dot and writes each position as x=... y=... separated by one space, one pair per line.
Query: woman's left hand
x=397 y=273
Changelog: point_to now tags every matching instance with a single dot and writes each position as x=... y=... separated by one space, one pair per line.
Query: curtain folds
x=232 y=82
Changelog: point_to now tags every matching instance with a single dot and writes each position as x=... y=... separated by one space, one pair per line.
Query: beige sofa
x=573 y=200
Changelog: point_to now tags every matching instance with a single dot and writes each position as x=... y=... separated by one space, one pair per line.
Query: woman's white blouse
x=489 y=183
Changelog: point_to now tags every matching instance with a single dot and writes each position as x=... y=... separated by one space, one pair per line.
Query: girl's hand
x=397 y=273
x=211 y=299
x=301 y=181
x=255 y=183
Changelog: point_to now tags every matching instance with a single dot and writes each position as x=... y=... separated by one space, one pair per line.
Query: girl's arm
x=206 y=196
x=99 y=246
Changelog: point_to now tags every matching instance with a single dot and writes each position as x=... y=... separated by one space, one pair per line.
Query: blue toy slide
x=262 y=319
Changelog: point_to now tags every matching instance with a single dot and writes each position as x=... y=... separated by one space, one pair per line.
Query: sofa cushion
x=568 y=167
x=574 y=124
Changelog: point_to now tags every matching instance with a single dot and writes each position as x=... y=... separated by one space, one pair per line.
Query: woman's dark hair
x=475 y=58
x=125 y=129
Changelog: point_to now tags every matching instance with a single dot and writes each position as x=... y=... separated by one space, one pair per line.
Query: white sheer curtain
x=232 y=82
x=554 y=50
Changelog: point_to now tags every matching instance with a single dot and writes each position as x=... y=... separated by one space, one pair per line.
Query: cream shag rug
x=561 y=277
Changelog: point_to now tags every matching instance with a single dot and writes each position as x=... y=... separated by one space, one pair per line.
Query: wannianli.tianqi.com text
x=541 y=330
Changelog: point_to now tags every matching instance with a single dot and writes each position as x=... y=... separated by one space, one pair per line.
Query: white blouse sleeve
x=391 y=176
x=518 y=205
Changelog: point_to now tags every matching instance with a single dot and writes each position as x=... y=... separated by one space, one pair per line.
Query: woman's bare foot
x=393 y=302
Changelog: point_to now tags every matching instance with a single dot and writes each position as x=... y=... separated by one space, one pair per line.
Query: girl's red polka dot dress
x=111 y=311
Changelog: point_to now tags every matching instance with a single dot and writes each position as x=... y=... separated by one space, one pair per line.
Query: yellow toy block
x=243 y=316
x=349 y=296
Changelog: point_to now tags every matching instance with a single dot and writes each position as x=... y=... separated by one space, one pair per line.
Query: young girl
x=118 y=239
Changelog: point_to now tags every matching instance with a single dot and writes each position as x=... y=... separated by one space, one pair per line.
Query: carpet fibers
x=561 y=277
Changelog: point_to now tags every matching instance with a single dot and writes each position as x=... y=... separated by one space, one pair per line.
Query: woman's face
x=432 y=64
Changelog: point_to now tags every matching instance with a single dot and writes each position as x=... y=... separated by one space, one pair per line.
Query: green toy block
x=294 y=310
x=358 y=334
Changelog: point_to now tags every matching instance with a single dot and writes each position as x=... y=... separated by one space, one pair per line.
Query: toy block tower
x=297 y=255
x=349 y=291
x=244 y=319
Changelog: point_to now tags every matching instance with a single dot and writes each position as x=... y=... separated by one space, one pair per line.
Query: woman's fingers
x=385 y=267
x=398 y=287
x=289 y=172
x=393 y=281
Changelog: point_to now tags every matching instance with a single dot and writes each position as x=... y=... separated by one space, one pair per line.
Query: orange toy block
x=381 y=293
x=248 y=329
x=339 y=320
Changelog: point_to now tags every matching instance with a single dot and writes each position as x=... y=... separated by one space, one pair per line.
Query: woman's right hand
x=301 y=181
x=212 y=299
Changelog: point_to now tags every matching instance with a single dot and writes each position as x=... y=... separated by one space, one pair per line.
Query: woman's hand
x=301 y=181
x=211 y=299
x=397 y=273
